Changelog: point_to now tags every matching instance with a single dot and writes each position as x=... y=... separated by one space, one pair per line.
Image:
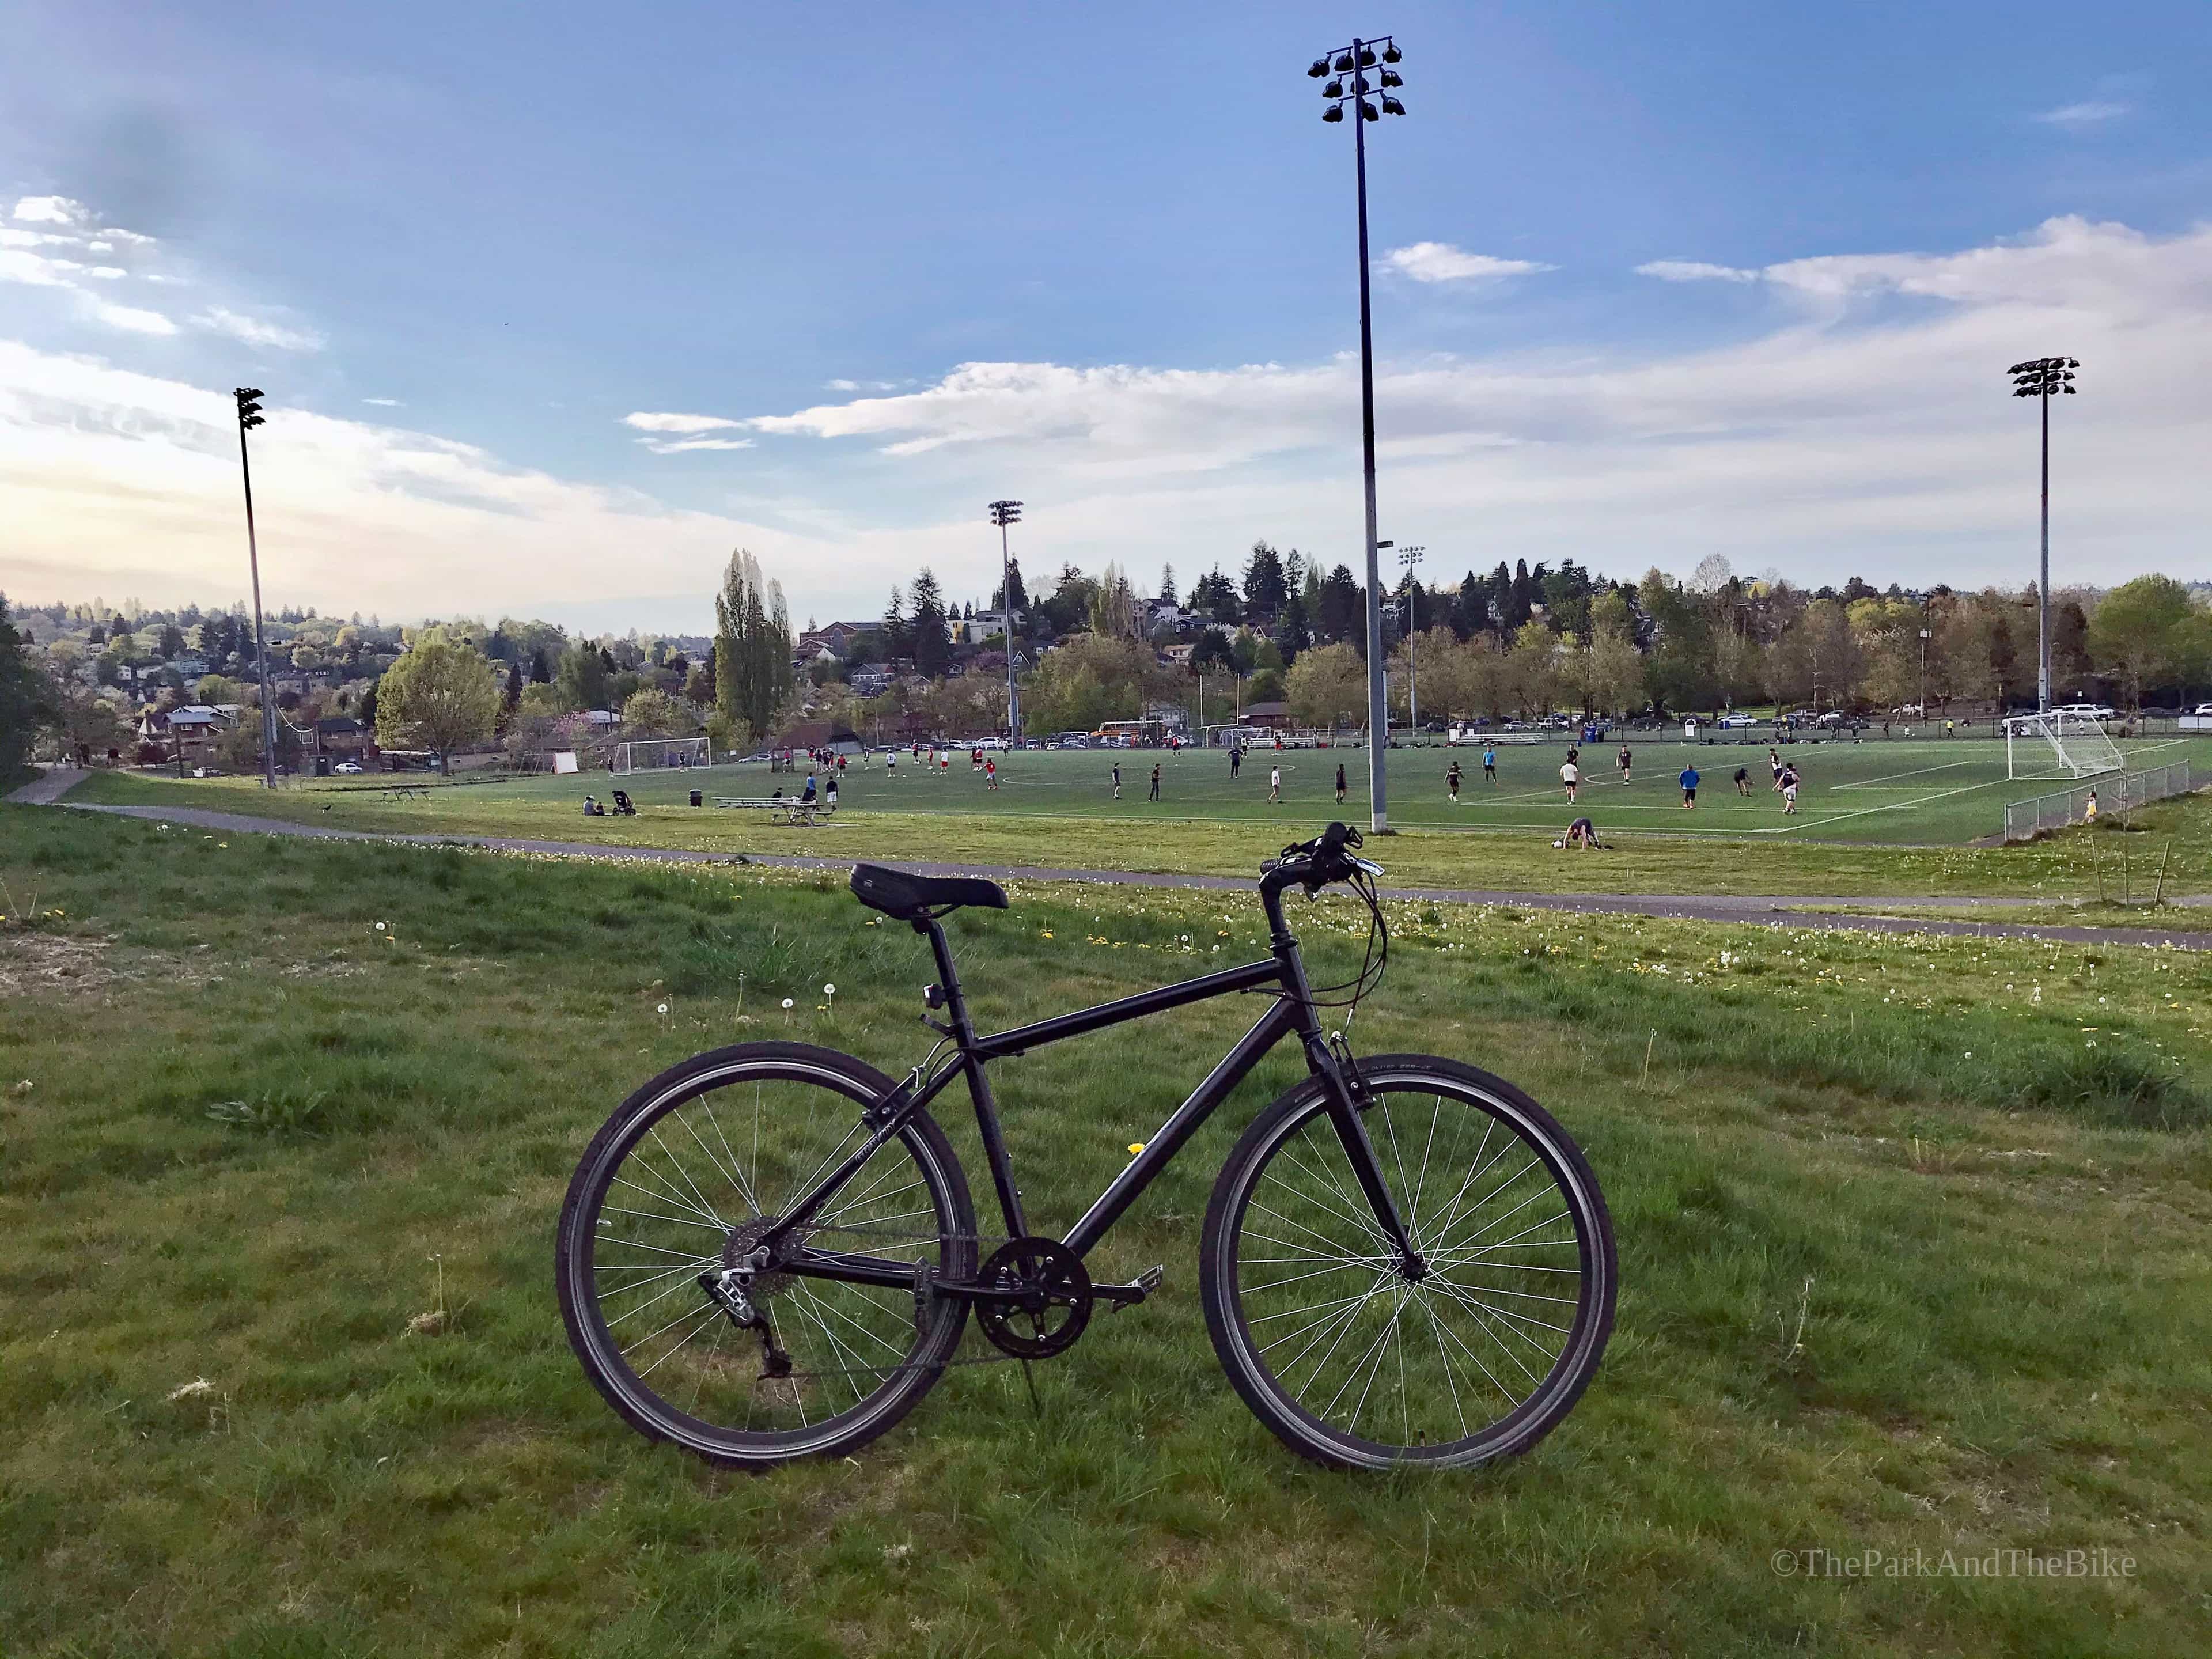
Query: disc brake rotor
x=1046 y=1300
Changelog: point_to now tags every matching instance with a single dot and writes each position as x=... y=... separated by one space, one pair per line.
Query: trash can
x=697 y=800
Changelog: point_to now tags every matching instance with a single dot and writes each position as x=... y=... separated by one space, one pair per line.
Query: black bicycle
x=769 y=1251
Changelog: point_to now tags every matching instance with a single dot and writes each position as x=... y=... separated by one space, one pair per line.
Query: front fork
x=1332 y=1062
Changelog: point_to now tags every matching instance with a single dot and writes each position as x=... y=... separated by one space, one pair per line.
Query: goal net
x=661 y=755
x=2058 y=745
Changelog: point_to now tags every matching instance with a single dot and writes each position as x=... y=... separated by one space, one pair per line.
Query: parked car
x=2205 y=711
x=347 y=769
x=1732 y=722
x=2087 y=711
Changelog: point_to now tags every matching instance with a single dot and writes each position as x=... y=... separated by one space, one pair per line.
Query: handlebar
x=1314 y=864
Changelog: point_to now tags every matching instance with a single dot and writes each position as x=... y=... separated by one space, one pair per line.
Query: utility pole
x=1924 y=633
x=1351 y=65
x=1002 y=515
x=249 y=416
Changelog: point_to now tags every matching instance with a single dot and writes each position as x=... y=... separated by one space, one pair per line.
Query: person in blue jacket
x=1690 y=786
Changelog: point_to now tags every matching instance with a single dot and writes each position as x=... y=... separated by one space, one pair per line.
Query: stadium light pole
x=1925 y=635
x=249 y=416
x=1408 y=557
x=1351 y=65
x=2044 y=379
x=1002 y=515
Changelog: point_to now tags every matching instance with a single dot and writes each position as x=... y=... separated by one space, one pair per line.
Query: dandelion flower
x=664 y=1008
x=786 y=1002
x=379 y=926
x=828 y=990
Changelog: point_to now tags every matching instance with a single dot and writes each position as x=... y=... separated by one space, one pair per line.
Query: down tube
x=1278 y=1022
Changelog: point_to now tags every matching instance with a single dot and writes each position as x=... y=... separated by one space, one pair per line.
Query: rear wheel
x=681 y=1181
x=1350 y=1360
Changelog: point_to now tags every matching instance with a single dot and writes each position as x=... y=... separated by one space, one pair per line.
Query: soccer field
x=1933 y=791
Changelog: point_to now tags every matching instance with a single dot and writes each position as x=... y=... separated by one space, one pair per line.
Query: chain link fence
x=2117 y=793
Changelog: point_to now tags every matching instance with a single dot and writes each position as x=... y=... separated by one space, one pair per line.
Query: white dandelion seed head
x=786 y=1002
x=828 y=990
x=664 y=1007
x=379 y=926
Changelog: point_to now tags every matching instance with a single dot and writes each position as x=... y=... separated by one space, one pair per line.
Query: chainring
x=1046 y=1300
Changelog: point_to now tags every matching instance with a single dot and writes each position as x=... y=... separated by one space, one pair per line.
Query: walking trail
x=1768 y=911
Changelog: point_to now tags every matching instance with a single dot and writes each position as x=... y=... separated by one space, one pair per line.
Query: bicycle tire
x=835 y=1356
x=1493 y=1317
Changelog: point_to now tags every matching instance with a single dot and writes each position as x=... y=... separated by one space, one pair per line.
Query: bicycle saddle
x=910 y=897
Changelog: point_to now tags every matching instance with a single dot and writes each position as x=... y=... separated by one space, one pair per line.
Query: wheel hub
x=737 y=1251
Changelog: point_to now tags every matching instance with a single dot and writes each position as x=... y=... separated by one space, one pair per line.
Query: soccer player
x=1155 y=795
x=1789 y=789
x=1689 y=782
x=1117 y=780
x=990 y=773
x=1274 y=785
x=1581 y=833
x=1743 y=781
x=890 y=764
x=1774 y=765
x=1571 y=775
x=1340 y=782
x=1451 y=783
x=1624 y=760
x=1235 y=760
x=1489 y=763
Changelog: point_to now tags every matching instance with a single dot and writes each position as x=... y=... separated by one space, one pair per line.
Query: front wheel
x=1352 y=1362
x=682 y=1179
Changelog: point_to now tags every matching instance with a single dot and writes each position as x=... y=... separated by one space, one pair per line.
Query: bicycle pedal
x=1126 y=1295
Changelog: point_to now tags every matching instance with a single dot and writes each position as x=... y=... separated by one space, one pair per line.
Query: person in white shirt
x=1571 y=775
x=1274 y=784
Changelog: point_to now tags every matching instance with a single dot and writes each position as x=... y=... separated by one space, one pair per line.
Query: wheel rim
x=1461 y=1364
x=700 y=1172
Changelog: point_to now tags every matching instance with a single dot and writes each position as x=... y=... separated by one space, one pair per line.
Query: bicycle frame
x=1292 y=1012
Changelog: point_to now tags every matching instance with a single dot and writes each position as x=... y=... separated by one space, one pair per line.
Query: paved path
x=46 y=790
x=1769 y=911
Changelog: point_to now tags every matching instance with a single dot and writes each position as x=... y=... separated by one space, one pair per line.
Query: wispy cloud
x=669 y=434
x=383 y=403
x=1440 y=262
x=2090 y=113
x=257 y=330
x=131 y=320
x=1694 y=271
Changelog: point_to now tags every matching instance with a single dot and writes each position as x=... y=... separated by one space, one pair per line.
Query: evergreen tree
x=1265 y=588
x=898 y=639
x=27 y=702
x=1342 y=618
x=541 y=671
x=1167 y=584
x=932 y=646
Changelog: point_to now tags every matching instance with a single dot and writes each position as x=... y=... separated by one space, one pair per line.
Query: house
x=191 y=731
x=835 y=641
x=870 y=682
x=1272 y=716
x=808 y=736
x=343 y=738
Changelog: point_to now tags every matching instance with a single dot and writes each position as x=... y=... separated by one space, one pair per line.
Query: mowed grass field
x=1911 y=1236
x=1056 y=809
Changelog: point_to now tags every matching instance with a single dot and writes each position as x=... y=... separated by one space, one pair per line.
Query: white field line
x=1869 y=783
x=1892 y=807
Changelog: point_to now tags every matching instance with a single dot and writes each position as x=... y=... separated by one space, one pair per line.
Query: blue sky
x=856 y=271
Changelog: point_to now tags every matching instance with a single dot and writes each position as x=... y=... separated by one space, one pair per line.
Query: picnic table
x=404 y=792
x=784 y=809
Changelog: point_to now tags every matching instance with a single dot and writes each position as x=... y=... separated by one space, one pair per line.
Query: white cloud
x=257 y=331
x=383 y=403
x=679 y=445
x=51 y=210
x=1440 y=262
x=34 y=269
x=108 y=273
x=843 y=386
x=2087 y=114
x=131 y=320
x=1694 y=271
x=1850 y=434
x=650 y=422
x=11 y=238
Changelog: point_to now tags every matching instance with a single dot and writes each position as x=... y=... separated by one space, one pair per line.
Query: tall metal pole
x=1379 y=714
x=2043 y=585
x=1411 y=557
x=260 y=643
x=1007 y=628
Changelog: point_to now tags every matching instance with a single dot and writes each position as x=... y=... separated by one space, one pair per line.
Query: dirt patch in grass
x=34 y=962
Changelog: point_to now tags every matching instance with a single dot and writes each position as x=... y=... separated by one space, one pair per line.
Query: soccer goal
x=2058 y=745
x=662 y=755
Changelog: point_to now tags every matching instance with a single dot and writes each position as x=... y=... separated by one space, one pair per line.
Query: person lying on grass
x=1581 y=833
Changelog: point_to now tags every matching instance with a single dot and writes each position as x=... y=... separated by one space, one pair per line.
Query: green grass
x=1906 y=1262
x=956 y=818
